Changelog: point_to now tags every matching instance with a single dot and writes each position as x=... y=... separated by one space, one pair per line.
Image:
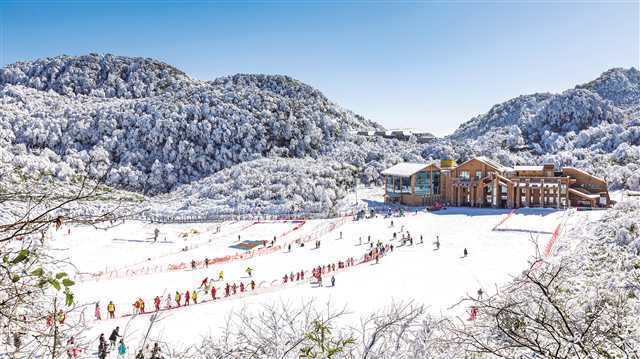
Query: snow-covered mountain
x=158 y=131
x=154 y=126
x=595 y=126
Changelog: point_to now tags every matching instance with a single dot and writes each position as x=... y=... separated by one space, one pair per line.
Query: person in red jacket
x=156 y=302
x=241 y=287
x=213 y=293
x=187 y=296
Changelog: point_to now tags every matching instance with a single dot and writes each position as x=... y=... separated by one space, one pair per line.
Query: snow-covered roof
x=404 y=169
x=492 y=163
x=584 y=173
x=528 y=168
x=488 y=161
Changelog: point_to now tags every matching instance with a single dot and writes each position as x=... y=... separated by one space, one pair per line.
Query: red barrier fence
x=160 y=268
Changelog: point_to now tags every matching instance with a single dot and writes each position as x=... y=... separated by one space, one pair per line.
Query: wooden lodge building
x=481 y=182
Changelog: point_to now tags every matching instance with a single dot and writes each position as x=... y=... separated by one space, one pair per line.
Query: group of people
x=104 y=348
x=116 y=341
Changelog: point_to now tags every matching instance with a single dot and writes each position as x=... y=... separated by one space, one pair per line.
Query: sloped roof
x=489 y=162
x=528 y=168
x=405 y=169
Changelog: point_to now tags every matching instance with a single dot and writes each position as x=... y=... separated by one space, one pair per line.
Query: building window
x=422 y=183
x=435 y=177
x=464 y=175
x=396 y=184
x=389 y=183
x=478 y=175
x=406 y=184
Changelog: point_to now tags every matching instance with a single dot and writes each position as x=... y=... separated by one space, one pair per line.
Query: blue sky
x=429 y=65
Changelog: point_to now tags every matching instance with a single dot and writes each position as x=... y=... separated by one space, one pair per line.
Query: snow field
x=437 y=278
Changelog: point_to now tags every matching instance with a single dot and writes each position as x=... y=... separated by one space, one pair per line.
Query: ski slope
x=437 y=278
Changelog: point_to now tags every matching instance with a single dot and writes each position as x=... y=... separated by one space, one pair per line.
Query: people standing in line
x=194 y=296
x=333 y=280
x=187 y=297
x=178 y=298
x=156 y=302
x=97 y=311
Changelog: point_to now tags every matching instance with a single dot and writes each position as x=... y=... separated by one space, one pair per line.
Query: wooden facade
x=481 y=182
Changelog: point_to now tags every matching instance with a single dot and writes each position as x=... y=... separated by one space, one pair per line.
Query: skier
x=340 y=234
x=421 y=241
x=204 y=282
x=102 y=347
x=249 y=271
x=333 y=281
x=113 y=337
x=187 y=297
x=97 y=311
x=178 y=298
x=226 y=290
x=72 y=349
x=193 y=264
x=437 y=242
x=474 y=313
x=253 y=285
x=213 y=292
x=111 y=309
x=168 y=302
x=221 y=275
x=480 y=292
x=465 y=253
x=391 y=223
x=206 y=262
x=241 y=287
x=122 y=349
x=156 y=302
x=289 y=247
x=155 y=352
x=233 y=288
x=194 y=296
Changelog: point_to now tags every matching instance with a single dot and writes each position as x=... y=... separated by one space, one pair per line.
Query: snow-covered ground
x=500 y=245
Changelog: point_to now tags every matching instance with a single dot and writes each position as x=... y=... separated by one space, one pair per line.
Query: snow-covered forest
x=157 y=131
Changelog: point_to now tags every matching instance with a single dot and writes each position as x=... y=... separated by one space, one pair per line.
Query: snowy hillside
x=595 y=126
x=158 y=131
x=154 y=126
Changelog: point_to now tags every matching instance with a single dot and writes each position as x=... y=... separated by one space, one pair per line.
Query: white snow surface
x=437 y=278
